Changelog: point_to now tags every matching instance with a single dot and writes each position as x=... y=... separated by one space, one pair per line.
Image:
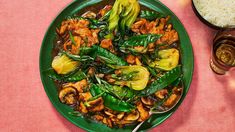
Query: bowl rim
x=202 y=19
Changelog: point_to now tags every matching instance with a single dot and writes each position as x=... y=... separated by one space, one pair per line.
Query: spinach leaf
x=150 y=15
x=109 y=57
x=97 y=24
x=141 y=40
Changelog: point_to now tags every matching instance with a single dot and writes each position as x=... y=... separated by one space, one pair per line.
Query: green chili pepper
x=150 y=15
x=110 y=101
x=163 y=81
x=109 y=57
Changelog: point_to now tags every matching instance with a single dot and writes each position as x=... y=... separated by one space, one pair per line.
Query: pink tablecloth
x=24 y=106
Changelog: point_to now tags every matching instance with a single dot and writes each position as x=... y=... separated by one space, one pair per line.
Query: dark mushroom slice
x=109 y=114
x=120 y=115
x=147 y=101
x=161 y=94
x=82 y=108
x=85 y=96
x=133 y=116
x=95 y=105
x=80 y=85
x=144 y=113
x=108 y=122
x=171 y=100
x=68 y=95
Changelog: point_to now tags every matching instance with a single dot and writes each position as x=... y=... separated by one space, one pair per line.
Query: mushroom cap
x=67 y=95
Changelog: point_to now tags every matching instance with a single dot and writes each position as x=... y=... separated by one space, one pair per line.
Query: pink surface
x=208 y=107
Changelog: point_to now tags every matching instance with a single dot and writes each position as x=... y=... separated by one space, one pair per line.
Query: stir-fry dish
x=118 y=64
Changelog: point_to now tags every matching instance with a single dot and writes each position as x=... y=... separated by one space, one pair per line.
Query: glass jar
x=223 y=52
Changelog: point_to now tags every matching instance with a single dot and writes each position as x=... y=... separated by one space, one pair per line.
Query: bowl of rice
x=218 y=14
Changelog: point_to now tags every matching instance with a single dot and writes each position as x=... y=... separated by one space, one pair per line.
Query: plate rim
x=58 y=109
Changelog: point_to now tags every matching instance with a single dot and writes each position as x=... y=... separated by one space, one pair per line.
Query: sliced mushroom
x=109 y=114
x=133 y=116
x=89 y=14
x=68 y=95
x=161 y=93
x=171 y=100
x=144 y=114
x=141 y=49
x=120 y=115
x=83 y=108
x=85 y=96
x=113 y=119
x=95 y=105
x=108 y=122
x=78 y=85
x=147 y=101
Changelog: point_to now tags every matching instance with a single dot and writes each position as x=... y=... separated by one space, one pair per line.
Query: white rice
x=218 y=12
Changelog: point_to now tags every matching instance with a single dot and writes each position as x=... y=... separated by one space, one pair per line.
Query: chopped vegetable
x=169 y=59
x=139 y=81
x=126 y=10
x=62 y=64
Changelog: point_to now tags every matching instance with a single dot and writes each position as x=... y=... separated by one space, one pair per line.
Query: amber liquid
x=223 y=56
x=226 y=54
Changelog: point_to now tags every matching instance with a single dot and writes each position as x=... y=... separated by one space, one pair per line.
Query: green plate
x=89 y=125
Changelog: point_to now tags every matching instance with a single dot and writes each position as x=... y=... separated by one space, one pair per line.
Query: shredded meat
x=82 y=35
x=72 y=24
x=106 y=44
x=157 y=27
x=130 y=59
